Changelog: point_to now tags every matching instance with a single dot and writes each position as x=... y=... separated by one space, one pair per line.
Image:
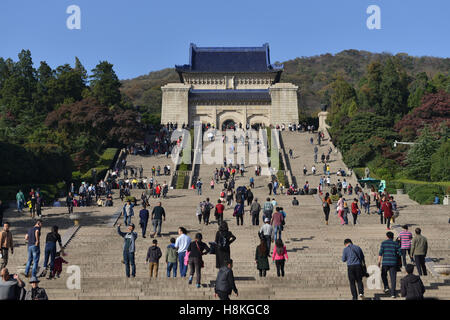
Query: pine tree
x=394 y=92
x=105 y=84
x=419 y=156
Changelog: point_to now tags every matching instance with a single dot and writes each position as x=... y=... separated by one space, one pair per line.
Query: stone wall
x=175 y=101
x=177 y=109
x=284 y=104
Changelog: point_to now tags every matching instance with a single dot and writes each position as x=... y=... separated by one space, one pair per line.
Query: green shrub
x=101 y=172
x=359 y=172
x=282 y=178
x=107 y=157
x=76 y=176
x=424 y=194
x=182 y=180
x=440 y=163
x=399 y=185
x=358 y=155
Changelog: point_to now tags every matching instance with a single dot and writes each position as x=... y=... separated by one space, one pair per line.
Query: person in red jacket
x=219 y=212
x=386 y=207
x=355 y=210
x=57 y=267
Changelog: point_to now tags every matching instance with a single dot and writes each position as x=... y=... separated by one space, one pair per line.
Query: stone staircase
x=303 y=154
x=314 y=269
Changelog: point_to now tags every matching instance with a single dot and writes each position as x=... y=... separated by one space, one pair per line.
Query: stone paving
x=314 y=269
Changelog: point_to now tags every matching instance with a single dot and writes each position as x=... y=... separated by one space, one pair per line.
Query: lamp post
x=400 y=142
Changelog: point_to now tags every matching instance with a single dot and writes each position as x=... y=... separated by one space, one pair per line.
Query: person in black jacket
x=225 y=282
x=153 y=255
x=412 y=286
x=50 y=250
x=158 y=214
x=196 y=250
x=224 y=238
x=69 y=202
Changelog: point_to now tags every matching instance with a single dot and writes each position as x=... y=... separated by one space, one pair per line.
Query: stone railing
x=197 y=151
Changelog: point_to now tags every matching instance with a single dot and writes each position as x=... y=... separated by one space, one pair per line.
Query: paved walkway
x=314 y=269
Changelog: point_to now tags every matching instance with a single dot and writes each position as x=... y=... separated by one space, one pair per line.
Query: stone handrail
x=197 y=153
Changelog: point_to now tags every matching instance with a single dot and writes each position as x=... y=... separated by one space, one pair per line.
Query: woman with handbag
x=196 y=250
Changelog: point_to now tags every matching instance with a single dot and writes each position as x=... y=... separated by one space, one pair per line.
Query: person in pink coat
x=279 y=256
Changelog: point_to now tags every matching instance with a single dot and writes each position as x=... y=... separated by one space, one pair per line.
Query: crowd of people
x=184 y=255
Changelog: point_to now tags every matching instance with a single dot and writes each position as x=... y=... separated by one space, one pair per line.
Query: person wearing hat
x=129 y=249
x=266 y=233
x=35 y=293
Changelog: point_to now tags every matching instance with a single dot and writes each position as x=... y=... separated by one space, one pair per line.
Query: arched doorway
x=228 y=124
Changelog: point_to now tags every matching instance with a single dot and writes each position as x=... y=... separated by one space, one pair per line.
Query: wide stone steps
x=314 y=269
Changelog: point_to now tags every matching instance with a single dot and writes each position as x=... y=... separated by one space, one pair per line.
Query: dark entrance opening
x=228 y=124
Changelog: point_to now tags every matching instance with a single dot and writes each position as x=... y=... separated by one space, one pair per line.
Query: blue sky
x=139 y=36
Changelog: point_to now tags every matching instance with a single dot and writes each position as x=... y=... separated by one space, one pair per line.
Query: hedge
x=182 y=180
x=107 y=157
x=424 y=194
x=50 y=192
x=78 y=177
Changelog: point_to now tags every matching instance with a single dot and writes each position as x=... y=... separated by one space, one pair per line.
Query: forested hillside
x=313 y=75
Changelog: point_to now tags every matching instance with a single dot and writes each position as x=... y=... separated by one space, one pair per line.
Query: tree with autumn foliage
x=92 y=126
x=434 y=111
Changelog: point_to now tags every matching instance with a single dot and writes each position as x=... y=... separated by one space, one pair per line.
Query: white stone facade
x=246 y=97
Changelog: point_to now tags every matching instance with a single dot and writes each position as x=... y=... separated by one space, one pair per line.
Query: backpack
x=325 y=204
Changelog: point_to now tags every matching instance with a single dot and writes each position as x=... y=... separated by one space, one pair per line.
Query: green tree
x=418 y=88
x=363 y=128
x=105 y=84
x=18 y=89
x=418 y=159
x=440 y=162
x=370 y=91
x=441 y=82
x=394 y=92
x=343 y=102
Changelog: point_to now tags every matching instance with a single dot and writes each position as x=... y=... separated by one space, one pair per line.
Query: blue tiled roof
x=231 y=59
x=229 y=95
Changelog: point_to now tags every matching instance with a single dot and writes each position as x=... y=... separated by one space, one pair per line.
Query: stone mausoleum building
x=223 y=86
